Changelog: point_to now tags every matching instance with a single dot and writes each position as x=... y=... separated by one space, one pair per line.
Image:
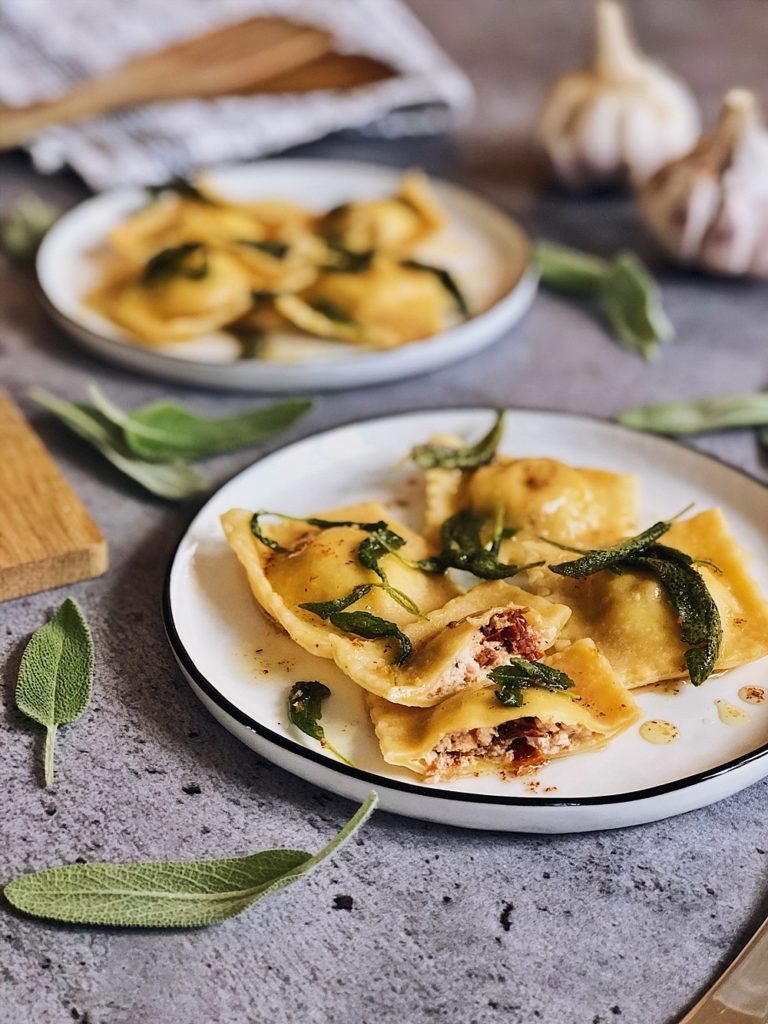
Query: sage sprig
x=171 y=480
x=442 y=456
x=686 y=590
x=463 y=548
x=305 y=710
x=700 y=415
x=513 y=679
x=56 y=675
x=625 y=291
x=27 y=222
x=165 y=431
x=174 y=894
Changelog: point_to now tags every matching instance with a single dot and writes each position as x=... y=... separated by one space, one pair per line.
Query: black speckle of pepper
x=616 y=1010
x=504 y=919
x=342 y=902
x=50 y=810
x=447 y=899
x=192 y=789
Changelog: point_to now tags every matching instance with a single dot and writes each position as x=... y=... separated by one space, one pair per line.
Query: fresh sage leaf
x=56 y=675
x=699 y=416
x=441 y=456
x=463 y=548
x=520 y=674
x=623 y=288
x=305 y=710
x=172 y=480
x=190 y=260
x=27 y=222
x=446 y=279
x=174 y=894
x=166 y=431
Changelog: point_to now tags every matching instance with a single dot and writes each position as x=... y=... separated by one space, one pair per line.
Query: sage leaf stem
x=174 y=894
x=55 y=679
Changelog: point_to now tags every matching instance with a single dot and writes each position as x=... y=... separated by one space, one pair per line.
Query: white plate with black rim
x=242 y=667
x=487 y=252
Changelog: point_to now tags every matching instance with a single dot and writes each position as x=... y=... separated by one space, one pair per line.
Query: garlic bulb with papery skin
x=619 y=119
x=709 y=209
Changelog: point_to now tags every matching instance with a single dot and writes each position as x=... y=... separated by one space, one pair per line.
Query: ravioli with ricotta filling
x=455 y=640
x=472 y=733
x=630 y=617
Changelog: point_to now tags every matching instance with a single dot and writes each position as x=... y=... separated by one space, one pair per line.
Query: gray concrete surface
x=445 y=925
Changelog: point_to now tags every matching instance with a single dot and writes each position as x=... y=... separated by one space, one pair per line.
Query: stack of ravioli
x=436 y=711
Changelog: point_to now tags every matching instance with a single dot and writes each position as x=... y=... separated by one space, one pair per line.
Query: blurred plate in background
x=488 y=252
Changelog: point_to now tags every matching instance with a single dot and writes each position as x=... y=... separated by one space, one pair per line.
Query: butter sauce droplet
x=752 y=694
x=656 y=730
x=730 y=714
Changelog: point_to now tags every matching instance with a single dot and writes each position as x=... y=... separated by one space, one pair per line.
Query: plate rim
x=527 y=281
x=419 y=789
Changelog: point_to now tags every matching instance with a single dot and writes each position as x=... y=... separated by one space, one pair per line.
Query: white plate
x=489 y=253
x=241 y=667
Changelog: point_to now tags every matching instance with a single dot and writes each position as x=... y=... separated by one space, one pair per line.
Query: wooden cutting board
x=47 y=538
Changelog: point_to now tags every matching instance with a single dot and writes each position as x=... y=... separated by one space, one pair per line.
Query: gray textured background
x=446 y=925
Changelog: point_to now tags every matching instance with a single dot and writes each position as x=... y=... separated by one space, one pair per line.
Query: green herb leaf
x=631 y=302
x=441 y=456
x=322 y=524
x=371 y=627
x=277 y=250
x=333 y=312
x=327 y=608
x=699 y=416
x=252 y=341
x=369 y=554
x=188 y=260
x=305 y=710
x=56 y=675
x=463 y=548
x=568 y=270
x=346 y=261
x=446 y=279
x=624 y=289
x=27 y=222
x=165 y=431
x=183 y=188
x=171 y=480
x=175 y=894
x=520 y=674
x=606 y=558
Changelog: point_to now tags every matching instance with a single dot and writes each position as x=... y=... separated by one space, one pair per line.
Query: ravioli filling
x=512 y=747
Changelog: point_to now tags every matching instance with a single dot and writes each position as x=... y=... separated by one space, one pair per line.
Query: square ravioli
x=473 y=733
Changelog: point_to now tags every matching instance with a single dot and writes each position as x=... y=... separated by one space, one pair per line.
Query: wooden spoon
x=227 y=60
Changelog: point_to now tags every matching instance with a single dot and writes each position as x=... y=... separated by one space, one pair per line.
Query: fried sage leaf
x=327 y=608
x=699 y=416
x=606 y=558
x=190 y=260
x=463 y=548
x=172 y=480
x=56 y=675
x=442 y=456
x=369 y=555
x=446 y=279
x=305 y=711
x=182 y=188
x=173 y=894
x=270 y=246
x=520 y=674
x=165 y=431
x=322 y=524
x=362 y=624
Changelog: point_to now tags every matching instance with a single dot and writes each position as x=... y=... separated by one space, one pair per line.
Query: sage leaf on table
x=174 y=894
x=700 y=415
x=56 y=675
x=522 y=673
x=305 y=710
x=166 y=431
x=23 y=229
x=443 y=456
x=172 y=480
x=623 y=288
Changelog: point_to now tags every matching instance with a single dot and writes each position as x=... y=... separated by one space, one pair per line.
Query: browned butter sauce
x=752 y=694
x=730 y=714
x=657 y=730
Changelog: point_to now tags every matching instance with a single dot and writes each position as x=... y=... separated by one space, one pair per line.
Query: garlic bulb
x=710 y=208
x=620 y=118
